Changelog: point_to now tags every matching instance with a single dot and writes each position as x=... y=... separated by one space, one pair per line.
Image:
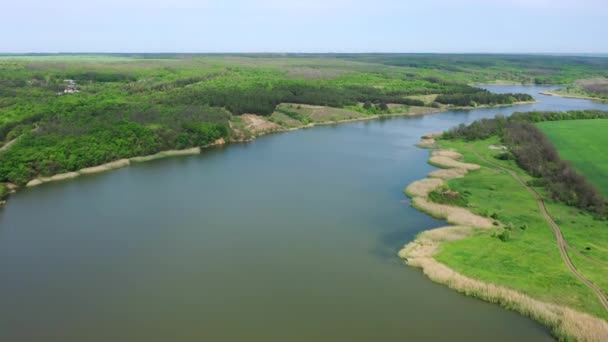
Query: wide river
x=293 y=237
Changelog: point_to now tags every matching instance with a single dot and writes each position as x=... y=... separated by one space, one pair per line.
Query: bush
x=534 y=153
x=504 y=236
x=505 y=156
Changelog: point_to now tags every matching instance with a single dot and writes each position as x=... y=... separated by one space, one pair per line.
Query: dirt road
x=561 y=242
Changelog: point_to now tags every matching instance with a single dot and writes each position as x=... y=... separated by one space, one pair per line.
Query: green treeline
x=482 y=97
x=528 y=69
x=71 y=111
x=534 y=153
x=485 y=128
x=537 y=155
x=108 y=132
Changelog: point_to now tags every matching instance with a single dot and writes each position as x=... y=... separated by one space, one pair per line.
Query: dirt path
x=8 y=144
x=561 y=242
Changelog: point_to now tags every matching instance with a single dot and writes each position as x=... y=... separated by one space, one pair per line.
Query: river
x=292 y=237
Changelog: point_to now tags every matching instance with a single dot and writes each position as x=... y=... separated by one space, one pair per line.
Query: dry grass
x=259 y=125
x=432 y=135
x=426 y=143
x=448 y=173
x=55 y=178
x=419 y=191
x=165 y=154
x=417 y=110
x=446 y=153
x=322 y=113
x=564 y=322
x=453 y=215
x=447 y=162
x=105 y=167
x=425 y=98
x=422 y=188
x=69 y=175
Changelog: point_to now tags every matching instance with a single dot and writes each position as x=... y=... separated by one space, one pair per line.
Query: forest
x=64 y=112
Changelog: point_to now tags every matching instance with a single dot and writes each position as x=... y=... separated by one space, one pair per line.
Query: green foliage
x=446 y=196
x=505 y=156
x=535 y=153
x=130 y=105
x=530 y=261
x=485 y=128
x=482 y=97
x=480 y=68
x=504 y=235
x=3 y=191
x=294 y=115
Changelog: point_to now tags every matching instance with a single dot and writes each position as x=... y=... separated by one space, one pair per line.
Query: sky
x=493 y=26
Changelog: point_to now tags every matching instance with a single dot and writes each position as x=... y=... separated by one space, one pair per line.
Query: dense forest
x=535 y=154
x=65 y=112
x=527 y=69
x=483 y=97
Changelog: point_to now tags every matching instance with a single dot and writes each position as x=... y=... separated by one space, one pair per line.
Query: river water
x=290 y=238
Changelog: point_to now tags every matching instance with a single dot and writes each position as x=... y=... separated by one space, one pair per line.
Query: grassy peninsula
x=591 y=89
x=502 y=248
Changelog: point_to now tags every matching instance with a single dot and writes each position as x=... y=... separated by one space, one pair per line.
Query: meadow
x=511 y=244
x=584 y=143
x=528 y=259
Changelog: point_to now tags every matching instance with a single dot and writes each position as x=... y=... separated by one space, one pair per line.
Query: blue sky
x=561 y=26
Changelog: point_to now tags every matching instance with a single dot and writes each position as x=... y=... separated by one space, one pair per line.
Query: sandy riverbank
x=86 y=171
x=166 y=154
x=573 y=96
x=120 y=163
x=196 y=150
x=564 y=322
x=519 y=103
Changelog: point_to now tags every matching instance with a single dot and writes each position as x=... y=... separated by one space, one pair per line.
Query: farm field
x=585 y=144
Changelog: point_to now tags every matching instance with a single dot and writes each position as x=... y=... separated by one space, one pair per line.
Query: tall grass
x=565 y=323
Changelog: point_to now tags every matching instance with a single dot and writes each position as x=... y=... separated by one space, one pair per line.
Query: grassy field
x=529 y=261
x=585 y=144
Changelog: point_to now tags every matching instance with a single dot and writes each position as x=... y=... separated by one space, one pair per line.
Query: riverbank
x=518 y=103
x=120 y=163
x=262 y=127
x=573 y=96
x=476 y=257
x=252 y=134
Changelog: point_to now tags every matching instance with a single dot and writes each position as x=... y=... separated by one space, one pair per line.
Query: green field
x=585 y=144
x=529 y=261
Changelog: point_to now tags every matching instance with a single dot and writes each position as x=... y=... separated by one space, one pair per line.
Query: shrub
x=504 y=236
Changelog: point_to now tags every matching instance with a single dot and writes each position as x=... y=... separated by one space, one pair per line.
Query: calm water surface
x=290 y=238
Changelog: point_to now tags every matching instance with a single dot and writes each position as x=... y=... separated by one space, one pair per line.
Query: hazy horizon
x=317 y=26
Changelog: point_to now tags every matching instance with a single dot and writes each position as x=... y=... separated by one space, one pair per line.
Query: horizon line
x=582 y=54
